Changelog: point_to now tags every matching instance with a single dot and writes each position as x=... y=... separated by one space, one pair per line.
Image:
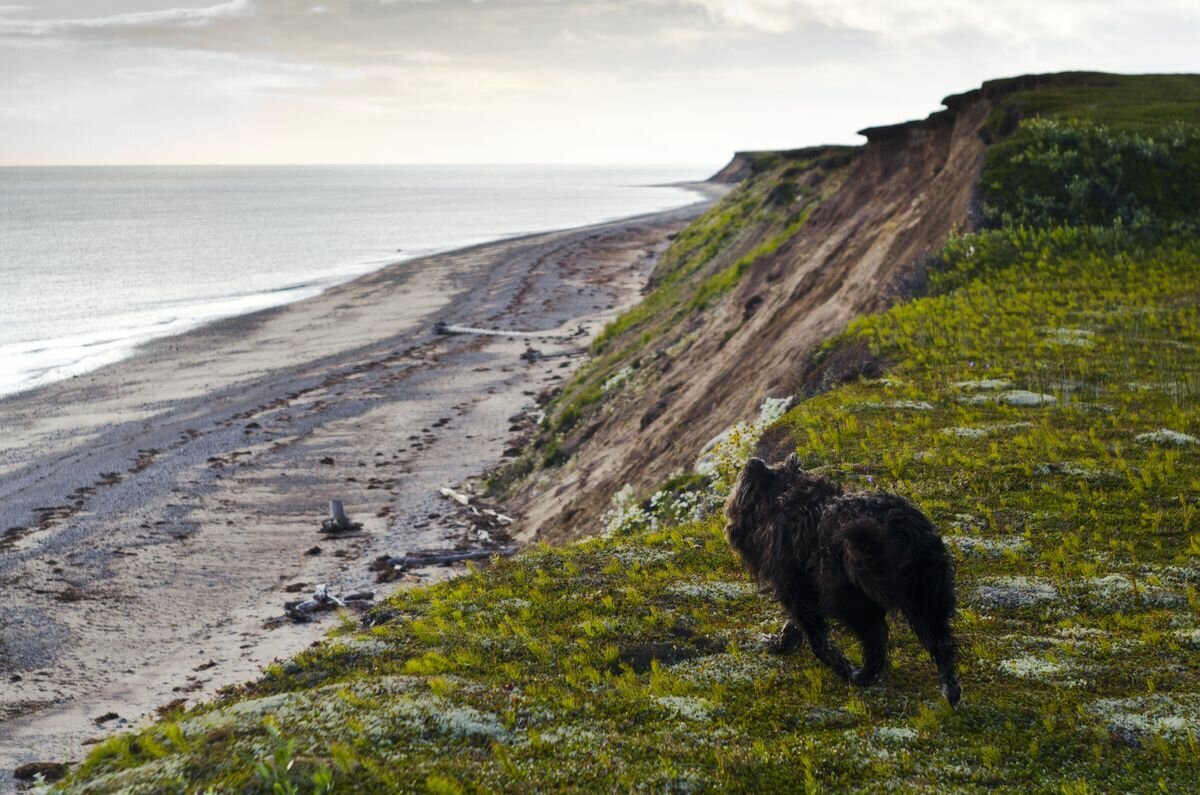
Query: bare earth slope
x=903 y=193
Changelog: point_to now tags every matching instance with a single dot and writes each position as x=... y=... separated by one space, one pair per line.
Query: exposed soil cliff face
x=901 y=194
x=735 y=170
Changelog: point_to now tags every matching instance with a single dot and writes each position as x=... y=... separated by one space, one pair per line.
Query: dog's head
x=757 y=489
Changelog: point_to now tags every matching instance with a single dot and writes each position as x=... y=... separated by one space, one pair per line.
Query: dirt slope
x=901 y=194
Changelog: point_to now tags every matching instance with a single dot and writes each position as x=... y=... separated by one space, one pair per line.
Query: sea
x=95 y=261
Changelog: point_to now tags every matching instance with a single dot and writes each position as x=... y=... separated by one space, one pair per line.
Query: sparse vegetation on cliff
x=703 y=263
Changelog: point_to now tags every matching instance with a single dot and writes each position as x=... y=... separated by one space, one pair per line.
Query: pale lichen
x=1167 y=436
x=984 y=385
x=988 y=547
x=693 y=709
x=716 y=590
x=1015 y=592
x=1175 y=717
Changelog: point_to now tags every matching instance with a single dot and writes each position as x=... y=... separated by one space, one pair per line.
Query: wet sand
x=155 y=513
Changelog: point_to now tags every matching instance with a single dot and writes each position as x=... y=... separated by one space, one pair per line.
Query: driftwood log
x=442 y=327
x=389 y=568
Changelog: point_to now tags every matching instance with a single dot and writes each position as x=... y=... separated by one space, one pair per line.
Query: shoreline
x=125 y=340
x=166 y=502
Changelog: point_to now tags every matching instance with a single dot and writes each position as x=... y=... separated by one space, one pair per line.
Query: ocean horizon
x=97 y=260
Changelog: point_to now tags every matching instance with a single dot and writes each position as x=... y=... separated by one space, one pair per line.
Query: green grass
x=1132 y=103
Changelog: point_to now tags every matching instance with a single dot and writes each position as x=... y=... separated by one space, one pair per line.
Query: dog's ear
x=792 y=462
x=759 y=473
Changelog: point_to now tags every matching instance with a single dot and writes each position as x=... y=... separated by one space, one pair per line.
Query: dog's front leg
x=787 y=640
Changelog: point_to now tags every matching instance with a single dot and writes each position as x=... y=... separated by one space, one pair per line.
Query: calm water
x=94 y=261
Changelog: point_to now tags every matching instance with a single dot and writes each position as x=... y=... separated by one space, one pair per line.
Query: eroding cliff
x=809 y=240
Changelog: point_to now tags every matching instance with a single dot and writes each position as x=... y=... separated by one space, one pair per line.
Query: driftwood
x=49 y=771
x=442 y=327
x=464 y=499
x=338 y=521
x=322 y=600
x=461 y=498
x=389 y=568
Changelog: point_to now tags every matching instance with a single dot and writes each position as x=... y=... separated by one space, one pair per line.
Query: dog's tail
x=866 y=563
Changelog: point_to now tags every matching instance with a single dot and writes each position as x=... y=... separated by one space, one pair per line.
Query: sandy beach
x=156 y=514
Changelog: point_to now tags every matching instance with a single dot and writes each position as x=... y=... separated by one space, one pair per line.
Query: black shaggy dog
x=852 y=557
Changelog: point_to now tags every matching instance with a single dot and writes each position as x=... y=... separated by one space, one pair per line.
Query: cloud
x=166 y=18
x=574 y=79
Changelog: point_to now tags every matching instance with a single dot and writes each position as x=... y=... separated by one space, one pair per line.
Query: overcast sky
x=576 y=81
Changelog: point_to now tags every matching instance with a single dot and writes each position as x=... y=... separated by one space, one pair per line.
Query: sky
x=525 y=81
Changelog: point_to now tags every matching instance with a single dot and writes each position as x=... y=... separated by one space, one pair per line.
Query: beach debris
x=460 y=497
x=338 y=521
x=46 y=771
x=444 y=328
x=390 y=568
x=499 y=517
x=323 y=600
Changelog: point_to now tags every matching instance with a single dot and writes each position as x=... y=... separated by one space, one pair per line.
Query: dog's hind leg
x=868 y=622
x=934 y=634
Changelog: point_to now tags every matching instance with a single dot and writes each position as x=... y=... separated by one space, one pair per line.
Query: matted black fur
x=852 y=557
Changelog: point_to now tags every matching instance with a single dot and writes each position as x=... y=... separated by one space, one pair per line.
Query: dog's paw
x=864 y=678
x=786 y=641
x=778 y=644
x=953 y=692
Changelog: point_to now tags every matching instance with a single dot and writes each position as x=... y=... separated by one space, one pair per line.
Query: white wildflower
x=626 y=514
x=725 y=454
x=617 y=379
